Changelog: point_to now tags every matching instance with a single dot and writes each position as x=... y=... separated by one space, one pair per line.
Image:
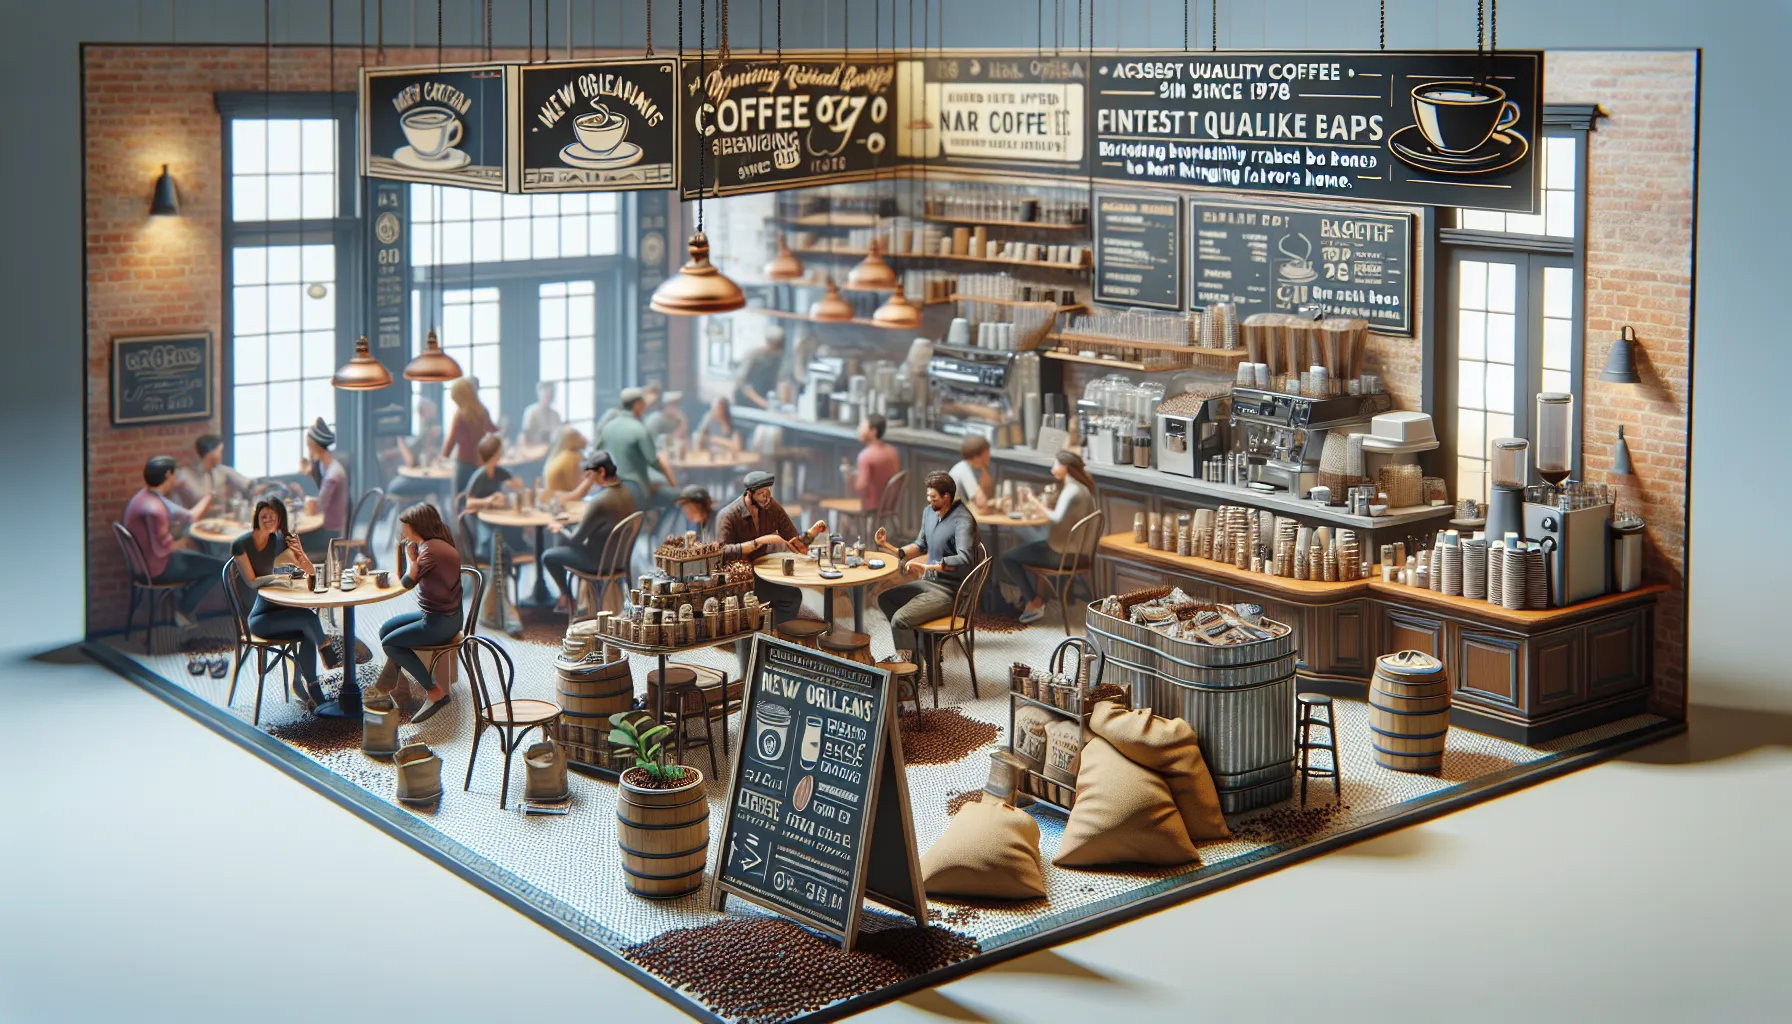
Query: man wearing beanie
x=332 y=488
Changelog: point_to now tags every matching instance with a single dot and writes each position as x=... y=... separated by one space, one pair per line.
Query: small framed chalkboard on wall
x=162 y=378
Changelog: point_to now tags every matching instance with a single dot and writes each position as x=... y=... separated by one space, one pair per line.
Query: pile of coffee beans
x=768 y=969
x=944 y=736
x=1290 y=823
x=999 y=622
x=956 y=800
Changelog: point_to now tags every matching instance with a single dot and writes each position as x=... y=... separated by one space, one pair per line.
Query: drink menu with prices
x=1138 y=251
x=1279 y=257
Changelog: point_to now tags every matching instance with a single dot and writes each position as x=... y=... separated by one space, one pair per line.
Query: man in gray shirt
x=610 y=503
x=942 y=554
x=625 y=437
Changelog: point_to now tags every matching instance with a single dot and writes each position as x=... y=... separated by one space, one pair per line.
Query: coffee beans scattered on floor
x=956 y=800
x=766 y=969
x=944 y=736
x=1290 y=823
x=999 y=622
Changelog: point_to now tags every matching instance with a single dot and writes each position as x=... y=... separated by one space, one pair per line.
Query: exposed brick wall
x=1639 y=273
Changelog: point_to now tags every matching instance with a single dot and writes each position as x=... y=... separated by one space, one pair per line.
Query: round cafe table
x=348 y=702
x=434 y=471
x=807 y=575
x=523 y=454
x=712 y=466
x=524 y=518
x=215 y=530
x=996 y=522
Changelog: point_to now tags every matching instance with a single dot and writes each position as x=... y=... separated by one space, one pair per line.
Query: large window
x=455 y=226
x=569 y=348
x=283 y=169
x=471 y=333
x=283 y=352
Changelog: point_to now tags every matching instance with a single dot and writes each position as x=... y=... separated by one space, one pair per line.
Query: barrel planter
x=663 y=835
x=588 y=693
x=1409 y=711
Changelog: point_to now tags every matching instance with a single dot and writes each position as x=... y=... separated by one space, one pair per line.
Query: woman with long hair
x=256 y=552
x=717 y=430
x=1076 y=499
x=427 y=547
x=472 y=421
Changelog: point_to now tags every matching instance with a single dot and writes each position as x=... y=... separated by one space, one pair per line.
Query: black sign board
x=760 y=125
x=818 y=813
x=652 y=329
x=602 y=126
x=994 y=111
x=443 y=125
x=157 y=379
x=389 y=307
x=1138 y=250
x=1436 y=129
x=1266 y=257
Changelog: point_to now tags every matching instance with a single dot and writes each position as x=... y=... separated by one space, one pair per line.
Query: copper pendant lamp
x=831 y=307
x=872 y=272
x=432 y=365
x=698 y=287
x=897 y=311
x=363 y=372
x=784 y=266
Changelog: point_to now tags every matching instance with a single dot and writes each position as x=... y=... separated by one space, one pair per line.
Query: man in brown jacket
x=755 y=524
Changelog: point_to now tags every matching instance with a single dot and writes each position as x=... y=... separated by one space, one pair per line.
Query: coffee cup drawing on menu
x=601 y=141
x=432 y=132
x=1460 y=127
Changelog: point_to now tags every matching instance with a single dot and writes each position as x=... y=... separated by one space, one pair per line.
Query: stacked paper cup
x=1513 y=585
x=1452 y=558
x=1536 y=576
x=1496 y=571
x=1474 y=568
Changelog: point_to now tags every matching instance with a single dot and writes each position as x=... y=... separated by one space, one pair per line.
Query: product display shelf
x=1224 y=355
x=831 y=220
x=984 y=222
x=950 y=258
x=1037 y=781
x=1016 y=302
x=1113 y=364
x=787 y=314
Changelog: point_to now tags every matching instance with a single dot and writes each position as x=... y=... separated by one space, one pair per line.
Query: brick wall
x=1640 y=168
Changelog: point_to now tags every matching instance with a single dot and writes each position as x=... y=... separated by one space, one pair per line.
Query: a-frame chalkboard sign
x=818 y=813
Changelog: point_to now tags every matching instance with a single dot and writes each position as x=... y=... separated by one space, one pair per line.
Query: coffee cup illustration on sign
x=432 y=132
x=1297 y=266
x=601 y=141
x=1460 y=127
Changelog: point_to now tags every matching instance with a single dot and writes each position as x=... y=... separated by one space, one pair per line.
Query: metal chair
x=1074 y=565
x=850 y=511
x=470 y=578
x=283 y=651
x=513 y=719
x=142 y=583
x=961 y=626
x=612 y=568
x=363 y=544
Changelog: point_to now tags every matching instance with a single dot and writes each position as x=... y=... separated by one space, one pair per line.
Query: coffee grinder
x=1510 y=469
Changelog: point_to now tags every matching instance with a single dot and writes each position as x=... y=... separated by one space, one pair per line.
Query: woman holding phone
x=270 y=542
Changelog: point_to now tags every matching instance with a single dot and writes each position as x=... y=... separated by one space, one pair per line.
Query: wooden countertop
x=1311 y=592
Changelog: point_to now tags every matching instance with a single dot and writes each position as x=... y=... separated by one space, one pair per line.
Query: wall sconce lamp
x=166 y=202
x=1620 y=368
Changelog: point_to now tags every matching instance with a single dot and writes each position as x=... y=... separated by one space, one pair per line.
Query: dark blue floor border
x=574 y=927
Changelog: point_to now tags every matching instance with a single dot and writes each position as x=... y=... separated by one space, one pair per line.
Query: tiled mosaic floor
x=566 y=866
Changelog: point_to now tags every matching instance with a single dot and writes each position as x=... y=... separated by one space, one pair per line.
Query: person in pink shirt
x=147 y=517
x=878 y=462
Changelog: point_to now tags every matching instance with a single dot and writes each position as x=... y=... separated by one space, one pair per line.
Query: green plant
x=627 y=735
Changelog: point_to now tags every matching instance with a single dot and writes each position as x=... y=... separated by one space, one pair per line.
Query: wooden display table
x=807 y=575
x=216 y=530
x=1527 y=676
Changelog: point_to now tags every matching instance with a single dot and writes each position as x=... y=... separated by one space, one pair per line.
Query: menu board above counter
x=1267 y=257
x=1421 y=128
x=602 y=126
x=759 y=125
x=1138 y=250
x=1001 y=112
x=444 y=125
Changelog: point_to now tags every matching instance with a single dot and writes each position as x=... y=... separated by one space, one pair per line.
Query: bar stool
x=906 y=675
x=844 y=643
x=1309 y=705
x=681 y=690
x=806 y=632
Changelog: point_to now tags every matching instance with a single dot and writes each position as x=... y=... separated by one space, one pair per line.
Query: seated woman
x=699 y=514
x=717 y=430
x=1076 y=499
x=486 y=490
x=268 y=542
x=426 y=546
x=560 y=476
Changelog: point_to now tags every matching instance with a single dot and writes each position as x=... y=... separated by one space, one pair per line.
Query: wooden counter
x=1524 y=675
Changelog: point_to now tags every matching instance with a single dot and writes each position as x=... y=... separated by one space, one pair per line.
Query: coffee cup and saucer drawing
x=601 y=143
x=1297 y=267
x=1462 y=127
x=432 y=132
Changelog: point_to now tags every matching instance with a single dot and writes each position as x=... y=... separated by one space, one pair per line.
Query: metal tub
x=1239 y=699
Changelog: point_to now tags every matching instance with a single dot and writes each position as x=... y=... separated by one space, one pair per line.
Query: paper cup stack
x=1474 y=568
x=1452 y=558
x=1536 y=578
x=1496 y=571
x=1514 y=582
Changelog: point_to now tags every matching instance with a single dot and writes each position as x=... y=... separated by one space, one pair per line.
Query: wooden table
x=770 y=568
x=434 y=471
x=523 y=454
x=524 y=518
x=661 y=654
x=213 y=530
x=701 y=459
x=348 y=701
x=996 y=522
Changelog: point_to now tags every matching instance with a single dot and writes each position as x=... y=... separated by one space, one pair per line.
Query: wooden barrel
x=595 y=690
x=1409 y=711
x=664 y=837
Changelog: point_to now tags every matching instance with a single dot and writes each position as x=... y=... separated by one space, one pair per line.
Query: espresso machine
x=1286 y=433
x=824 y=376
x=1186 y=440
x=978 y=391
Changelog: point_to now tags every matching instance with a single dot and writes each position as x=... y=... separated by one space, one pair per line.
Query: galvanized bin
x=1238 y=698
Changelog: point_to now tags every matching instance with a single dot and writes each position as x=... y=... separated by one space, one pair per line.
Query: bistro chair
x=1076 y=565
x=282 y=652
x=612 y=569
x=491 y=673
x=373 y=502
x=961 y=626
x=851 y=516
x=144 y=586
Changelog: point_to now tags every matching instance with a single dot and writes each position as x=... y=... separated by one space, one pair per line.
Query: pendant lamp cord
x=649 y=28
x=1213 y=34
x=1480 y=28
x=1384 y=24
x=379 y=55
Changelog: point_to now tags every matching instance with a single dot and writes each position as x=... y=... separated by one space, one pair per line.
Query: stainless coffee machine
x=978 y=391
x=1286 y=433
x=1186 y=440
x=825 y=376
x=1576 y=543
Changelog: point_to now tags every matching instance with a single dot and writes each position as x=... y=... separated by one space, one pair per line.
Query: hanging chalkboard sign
x=1000 y=112
x=389 y=299
x=444 y=125
x=157 y=379
x=1422 y=128
x=818 y=814
x=759 y=125
x=1266 y=257
x=598 y=126
x=1138 y=250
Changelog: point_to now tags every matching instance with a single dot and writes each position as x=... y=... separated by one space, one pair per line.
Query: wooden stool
x=681 y=688
x=1309 y=705
x=806 y=632
x=905 y=674
x=844 y=643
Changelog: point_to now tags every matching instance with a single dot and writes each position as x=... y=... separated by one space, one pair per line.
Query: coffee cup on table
x=431 y=131
x=311 y=506
x=1459 y=117
x=600 y=130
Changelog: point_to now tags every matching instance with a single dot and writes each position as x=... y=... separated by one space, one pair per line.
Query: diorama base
x=562 y=870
